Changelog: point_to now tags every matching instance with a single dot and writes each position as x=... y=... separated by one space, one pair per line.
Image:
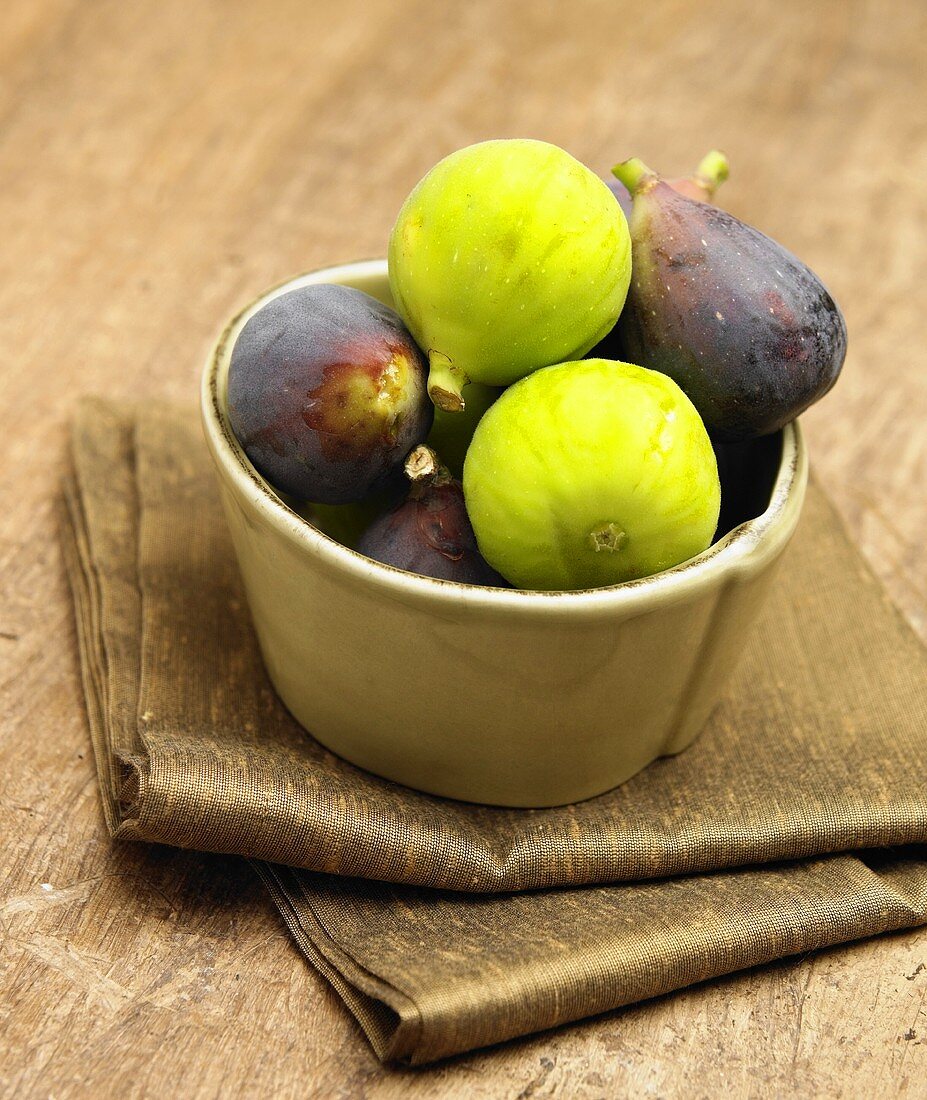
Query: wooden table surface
x=162 y=162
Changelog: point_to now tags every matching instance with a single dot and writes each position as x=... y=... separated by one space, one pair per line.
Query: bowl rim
x=742 y=549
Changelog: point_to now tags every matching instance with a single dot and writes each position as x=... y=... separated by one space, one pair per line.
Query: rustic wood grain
x=162 y=162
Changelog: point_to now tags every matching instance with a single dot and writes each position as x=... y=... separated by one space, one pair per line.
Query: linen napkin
x=797 y=820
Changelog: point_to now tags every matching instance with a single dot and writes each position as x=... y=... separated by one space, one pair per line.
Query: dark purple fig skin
x=430 y=533
x=327 y=393
x=685 y=185
x=744 y=327
x=623 y=196
x=701 y=185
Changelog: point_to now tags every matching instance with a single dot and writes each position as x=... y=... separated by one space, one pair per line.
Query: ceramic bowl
x=490 y=695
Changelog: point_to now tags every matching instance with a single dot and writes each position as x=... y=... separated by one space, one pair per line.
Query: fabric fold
x=481 y=969
x=794 y=821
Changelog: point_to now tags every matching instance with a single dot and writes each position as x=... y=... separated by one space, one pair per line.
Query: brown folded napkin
x=814 y=766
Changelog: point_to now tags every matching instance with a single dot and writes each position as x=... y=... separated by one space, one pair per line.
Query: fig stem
x=423 y=466
x=712 y=171
x=422 y=463
x=445 y=382
x=633 y=174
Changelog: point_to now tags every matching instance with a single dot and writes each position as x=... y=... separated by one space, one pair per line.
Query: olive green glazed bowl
x=498 y=696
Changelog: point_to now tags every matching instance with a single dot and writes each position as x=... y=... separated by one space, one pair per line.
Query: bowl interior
x=748 y=473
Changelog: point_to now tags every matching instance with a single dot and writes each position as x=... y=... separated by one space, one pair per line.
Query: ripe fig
x=429 y=533
x=588 y=474
x=746 y=329
x=327 y=393
x=506 y=257
x=712 y=171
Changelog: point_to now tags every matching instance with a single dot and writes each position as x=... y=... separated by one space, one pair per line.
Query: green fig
x=589 y=474
x=507 y=257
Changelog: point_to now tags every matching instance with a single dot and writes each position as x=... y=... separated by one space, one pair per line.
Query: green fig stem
x=712 y=171
x=445 y=382
x=633 y=174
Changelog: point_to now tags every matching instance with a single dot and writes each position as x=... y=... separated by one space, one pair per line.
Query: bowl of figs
x=507 y=502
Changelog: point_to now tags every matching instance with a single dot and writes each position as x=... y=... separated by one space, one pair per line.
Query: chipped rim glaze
x=745 y=549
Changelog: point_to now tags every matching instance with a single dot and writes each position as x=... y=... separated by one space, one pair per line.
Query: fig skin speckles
x=744 y=327
x=327 y=393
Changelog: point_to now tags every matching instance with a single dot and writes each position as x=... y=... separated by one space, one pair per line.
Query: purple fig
x=327 y=393
x=746 y=329
x=712 y=171
x=430 y=532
